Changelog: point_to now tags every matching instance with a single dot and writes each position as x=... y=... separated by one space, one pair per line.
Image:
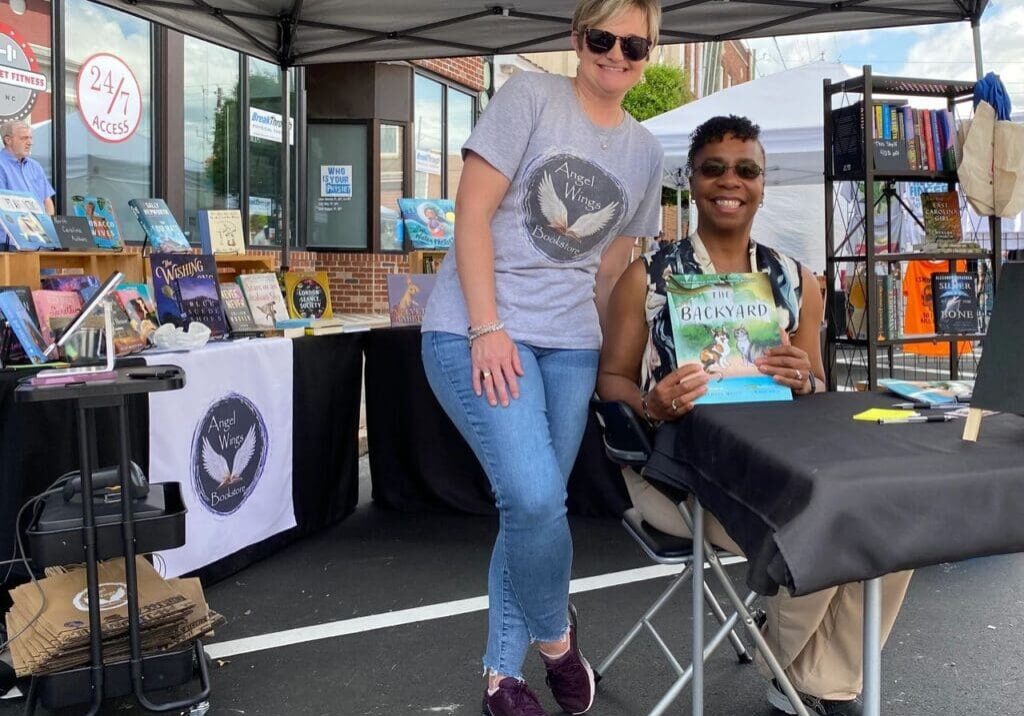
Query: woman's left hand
x=788 y=365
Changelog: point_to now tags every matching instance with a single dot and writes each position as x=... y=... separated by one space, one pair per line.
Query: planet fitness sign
x=20 y=79
x=109 y=98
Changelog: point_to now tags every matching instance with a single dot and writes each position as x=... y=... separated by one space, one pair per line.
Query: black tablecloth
x=816 y=498
x=39 y=442
x=419 y=461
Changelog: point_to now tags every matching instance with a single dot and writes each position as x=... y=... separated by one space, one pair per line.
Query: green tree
x=664 y=88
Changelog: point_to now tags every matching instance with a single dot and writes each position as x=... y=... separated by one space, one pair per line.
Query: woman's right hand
x=673 y=396
x=495 y=367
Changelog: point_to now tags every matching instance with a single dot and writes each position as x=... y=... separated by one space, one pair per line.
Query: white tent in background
x=788 y=108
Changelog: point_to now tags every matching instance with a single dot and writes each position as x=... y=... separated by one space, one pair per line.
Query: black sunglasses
x=600 y=42
x=744 y=168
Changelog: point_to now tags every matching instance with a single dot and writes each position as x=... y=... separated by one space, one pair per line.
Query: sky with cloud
x=927 y=51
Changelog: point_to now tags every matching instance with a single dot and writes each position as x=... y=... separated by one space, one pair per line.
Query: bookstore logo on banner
x=112 y=596
x=229 y=453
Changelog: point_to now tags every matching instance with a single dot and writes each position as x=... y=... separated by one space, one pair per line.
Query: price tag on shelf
x=109 y=97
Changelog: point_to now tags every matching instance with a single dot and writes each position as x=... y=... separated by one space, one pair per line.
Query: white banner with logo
x=227 y=438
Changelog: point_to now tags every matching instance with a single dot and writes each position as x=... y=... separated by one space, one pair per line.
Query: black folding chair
x=627 y=443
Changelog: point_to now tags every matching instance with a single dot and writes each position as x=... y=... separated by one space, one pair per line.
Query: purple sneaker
x=570 y=677
x=513 y=698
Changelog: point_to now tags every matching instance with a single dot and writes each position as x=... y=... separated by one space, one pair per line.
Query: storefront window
x=429 y=118
x=265 y=153
x=26 y=79
x=212 y=130
x=338 y=175
x=109 y=116
x=460 y=124
x=392 y=179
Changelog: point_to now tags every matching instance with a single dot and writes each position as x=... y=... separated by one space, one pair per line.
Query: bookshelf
x=21 y=268
x=425 y=261
x=867 y=171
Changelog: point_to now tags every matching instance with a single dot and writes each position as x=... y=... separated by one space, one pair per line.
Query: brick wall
x=468 y=71
x=735 y=62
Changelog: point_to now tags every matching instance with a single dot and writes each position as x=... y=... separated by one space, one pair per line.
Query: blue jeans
x=527 y=451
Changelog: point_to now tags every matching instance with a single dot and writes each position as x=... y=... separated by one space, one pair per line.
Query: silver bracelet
x=492 y=327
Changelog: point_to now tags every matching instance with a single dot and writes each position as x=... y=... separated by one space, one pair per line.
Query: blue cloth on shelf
x=991 y=89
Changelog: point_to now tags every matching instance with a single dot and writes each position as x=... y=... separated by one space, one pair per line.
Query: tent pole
x=679 y=213
x=994 y=222
x=979 y=68
x=285 y=213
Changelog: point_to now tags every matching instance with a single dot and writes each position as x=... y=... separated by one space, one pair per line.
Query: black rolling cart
x=155 y=522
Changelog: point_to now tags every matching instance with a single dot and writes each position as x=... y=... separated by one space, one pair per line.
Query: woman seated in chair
x=817 y=637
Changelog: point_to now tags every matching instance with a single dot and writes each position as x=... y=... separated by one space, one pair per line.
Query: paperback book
x=236 y=309
x=930 y=392
x=10 y=347
x=187 y=290
x=162 y=230
x=955 y=302
x=26 y=226
x=22 y=327
x=69 y=282
x=142 y=319
x=52 y=305
x=220 y=231
x=263 y=294
x=941 y=214
x=106 y=233
x=725 y=322
x=307 y=294
x=407 y=297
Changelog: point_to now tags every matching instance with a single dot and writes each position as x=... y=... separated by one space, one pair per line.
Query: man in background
x=19 y=171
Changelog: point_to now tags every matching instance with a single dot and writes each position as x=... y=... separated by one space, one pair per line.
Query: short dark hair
x=715 y=129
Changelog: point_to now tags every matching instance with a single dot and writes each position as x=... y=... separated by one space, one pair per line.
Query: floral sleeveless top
x=689 y=256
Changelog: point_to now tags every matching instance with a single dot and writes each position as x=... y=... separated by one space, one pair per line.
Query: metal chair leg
x=716 y=609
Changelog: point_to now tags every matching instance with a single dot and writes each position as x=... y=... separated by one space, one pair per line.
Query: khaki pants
x=817 y=638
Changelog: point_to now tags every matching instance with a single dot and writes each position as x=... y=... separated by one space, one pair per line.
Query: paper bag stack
x=171 y=614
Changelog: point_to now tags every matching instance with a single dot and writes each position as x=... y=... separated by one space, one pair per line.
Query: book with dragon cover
x=725 y=322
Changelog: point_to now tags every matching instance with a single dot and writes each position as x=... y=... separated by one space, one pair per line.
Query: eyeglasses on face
x=744 y=168
x=601 y=42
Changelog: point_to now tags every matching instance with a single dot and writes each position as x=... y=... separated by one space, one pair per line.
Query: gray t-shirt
x=574 y=188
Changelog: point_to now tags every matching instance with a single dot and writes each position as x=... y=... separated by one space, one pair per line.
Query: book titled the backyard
x=725 y=322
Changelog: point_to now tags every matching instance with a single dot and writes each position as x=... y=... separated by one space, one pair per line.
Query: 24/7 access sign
x=109 y=97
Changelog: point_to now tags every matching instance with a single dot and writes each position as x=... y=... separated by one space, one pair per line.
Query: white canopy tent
x=788 y=108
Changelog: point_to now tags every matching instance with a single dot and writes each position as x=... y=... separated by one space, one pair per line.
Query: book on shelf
x=930 y=392
x=407 y=297
x=54 y=304
x=941 y=216
x=22 y=327
x=307 y=294
x=69 y=282
x=73 y=232
x=725 y=322
x=263 y=294
x=26 y=226
x=955 y=302
x=855 y=286
x=187 y=290
x=160 y=226
x=220 y=231
x=236 y=309
x=106 y=234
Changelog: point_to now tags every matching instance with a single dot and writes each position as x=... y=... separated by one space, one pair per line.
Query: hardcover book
x=26 y=225
x=237 y=310
x=429 y=223
x=725 y=322
x=73 y=232
x=407 y=297
x=930 y=392
x=54 y=304
x=955 y=302
x=144 y=292
x=263 y=294
x=139 y=315
x=941 y=213
x=162 y=230
x=20 y=323
x=25 y=295
x=106 y=234
x=187 y=290
x=70 y=282
x=307 y=294
x=220 y=231
x=126 y=338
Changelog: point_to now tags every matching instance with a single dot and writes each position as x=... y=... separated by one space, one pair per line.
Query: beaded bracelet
x=492 y=327
x=647 y=416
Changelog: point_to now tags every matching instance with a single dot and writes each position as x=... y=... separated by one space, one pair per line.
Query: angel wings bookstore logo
x=112 y=596
x=570 y=206
x=229 y=452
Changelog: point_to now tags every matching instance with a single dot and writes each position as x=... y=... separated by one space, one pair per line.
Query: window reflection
x=392 y=179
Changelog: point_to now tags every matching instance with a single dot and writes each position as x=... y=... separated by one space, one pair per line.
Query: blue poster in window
x=336 y=181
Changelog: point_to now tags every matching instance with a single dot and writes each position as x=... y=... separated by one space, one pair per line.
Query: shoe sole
x=779 y=701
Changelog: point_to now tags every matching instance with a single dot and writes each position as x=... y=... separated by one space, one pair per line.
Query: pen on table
x=917 y=419
x=929 y=406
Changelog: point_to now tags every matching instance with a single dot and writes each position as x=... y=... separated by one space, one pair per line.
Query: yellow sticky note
x=875 y=414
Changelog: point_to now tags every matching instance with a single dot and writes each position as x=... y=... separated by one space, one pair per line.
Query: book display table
x=163 y=529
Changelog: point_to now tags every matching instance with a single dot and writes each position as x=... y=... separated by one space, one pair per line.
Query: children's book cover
x=429 y=223
x=407 y=297
x=263 y=294
x=931 y=392
x=187 y=290
x=162 y=230
x=955 y=302
x=26 y=225
x=102 y=220
x=308 y=294
x=725 y=322
x=220 y=231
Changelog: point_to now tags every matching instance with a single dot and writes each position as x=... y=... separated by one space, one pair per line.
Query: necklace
x=604 y=134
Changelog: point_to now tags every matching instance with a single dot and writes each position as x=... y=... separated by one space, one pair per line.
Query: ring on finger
x=486 y=374
x=799 y=375
x=675 y=406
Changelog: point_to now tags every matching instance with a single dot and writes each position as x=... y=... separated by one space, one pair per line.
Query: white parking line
x=344 y=627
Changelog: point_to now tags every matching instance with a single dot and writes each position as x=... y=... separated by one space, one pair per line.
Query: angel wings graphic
x=557 y=215
x=217 y=467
